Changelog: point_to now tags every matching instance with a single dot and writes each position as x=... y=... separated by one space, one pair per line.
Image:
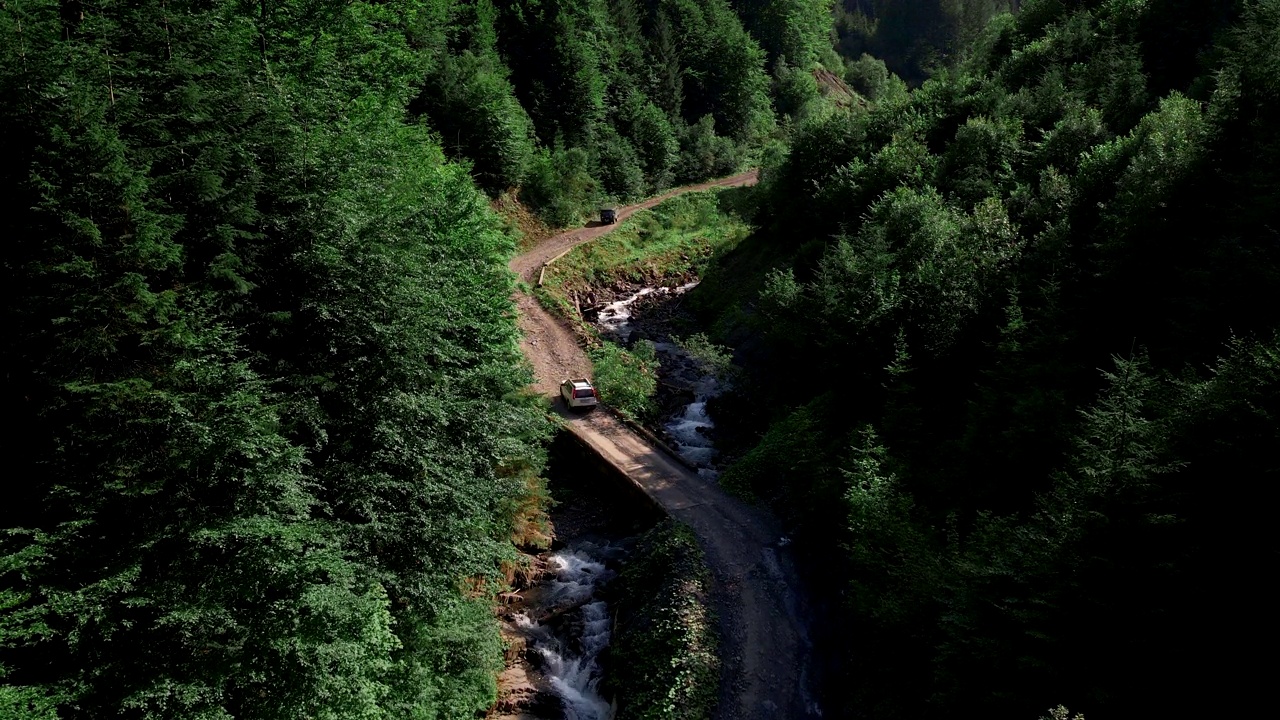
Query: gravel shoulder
x=766 y=650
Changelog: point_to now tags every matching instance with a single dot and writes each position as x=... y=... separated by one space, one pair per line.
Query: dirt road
x=528 y=264
x=765 y=647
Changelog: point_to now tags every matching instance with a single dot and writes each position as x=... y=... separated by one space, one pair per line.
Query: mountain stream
x=689 y=429
x=561 y=624
x=575 y=628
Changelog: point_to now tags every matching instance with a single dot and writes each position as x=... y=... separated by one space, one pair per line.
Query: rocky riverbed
x=556 y=622
x=628 y=313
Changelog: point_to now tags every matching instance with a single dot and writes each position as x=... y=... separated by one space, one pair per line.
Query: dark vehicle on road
x=608 y=216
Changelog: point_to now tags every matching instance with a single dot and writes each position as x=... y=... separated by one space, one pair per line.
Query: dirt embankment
x=766 y=650
x=837 y=89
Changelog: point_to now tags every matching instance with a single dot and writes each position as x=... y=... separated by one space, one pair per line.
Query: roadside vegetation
x=265 y=404
x=662 y=661
x=583 y=103
x=664 y=246
x=627 y=379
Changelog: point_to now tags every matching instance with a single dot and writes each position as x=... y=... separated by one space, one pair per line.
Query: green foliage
x=252 y=310
x=21 y=702
x=712 y=359
x=655 y=141
x=725 y=77
x=917 y=265
x=626 y=380
x=663 y=661
x=560 y=187
x=703 y=153
x=676 y=238
x=797 y=30
x=666 y=243
x=783 y=456
x=871 y=78
x=628 y=86
x=888 y=554
x=621 y=172
x=979 y=162
x=1089 y=185
x=794 y=88
x=913 y=37
x=471 y=103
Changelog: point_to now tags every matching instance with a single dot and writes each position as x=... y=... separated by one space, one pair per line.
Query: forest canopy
x=257 y=285
x=242 y=283
x=1038 y=294
x=257 y=290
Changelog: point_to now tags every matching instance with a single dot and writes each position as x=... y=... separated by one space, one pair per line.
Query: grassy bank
x=672 y=241
x=663 y=661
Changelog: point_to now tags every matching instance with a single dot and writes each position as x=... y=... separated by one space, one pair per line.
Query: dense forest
x=268 y=451
x=908 y=38
x=1015 y=371
x=1008 y=334
x=578 y=102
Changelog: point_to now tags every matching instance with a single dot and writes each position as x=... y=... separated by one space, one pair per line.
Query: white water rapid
x=688 y=429
x=571 y=659
x=615 y=317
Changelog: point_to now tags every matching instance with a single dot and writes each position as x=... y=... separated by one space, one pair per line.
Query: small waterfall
x=689 y=428
x=615 y=317
x=570 y=658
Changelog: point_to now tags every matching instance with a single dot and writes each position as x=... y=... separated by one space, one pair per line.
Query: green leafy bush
x=793 y=89
x=712 y=359
x=871 y=79
x=662 y=661
x=626 y=380
x=560 y=187
x=620 y=171
x=704 y=154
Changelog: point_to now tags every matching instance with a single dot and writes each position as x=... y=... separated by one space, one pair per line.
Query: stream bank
x=558 y=620
x=692 y=375
x=629 y=286
x=631 y=313
x=664 y=659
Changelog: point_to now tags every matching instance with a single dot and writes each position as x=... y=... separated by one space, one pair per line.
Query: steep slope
x=1038 y=291
x=240 y=287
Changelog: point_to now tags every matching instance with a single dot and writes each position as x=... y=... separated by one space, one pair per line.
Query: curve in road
x=765 y=649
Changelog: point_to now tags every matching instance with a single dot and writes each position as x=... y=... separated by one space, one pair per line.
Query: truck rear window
x=583 y=393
